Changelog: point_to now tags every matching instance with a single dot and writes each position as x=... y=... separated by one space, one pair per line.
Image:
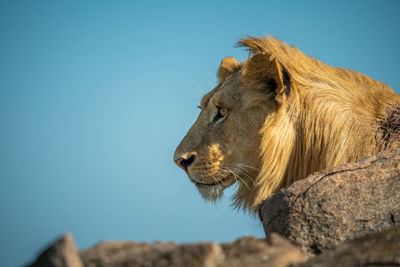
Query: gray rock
x=344 y=202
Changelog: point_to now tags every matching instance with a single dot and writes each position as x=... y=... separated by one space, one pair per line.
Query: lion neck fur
x=327 y=119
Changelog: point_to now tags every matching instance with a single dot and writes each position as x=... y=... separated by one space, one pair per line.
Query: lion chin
x=278 y=117
x=211 y=192
x=214 y=191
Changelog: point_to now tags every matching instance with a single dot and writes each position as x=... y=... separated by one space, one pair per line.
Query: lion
x=278 y=117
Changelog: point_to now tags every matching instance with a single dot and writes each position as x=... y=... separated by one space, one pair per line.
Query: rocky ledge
x=247 y=251
x=348 y=215
x=347 y=201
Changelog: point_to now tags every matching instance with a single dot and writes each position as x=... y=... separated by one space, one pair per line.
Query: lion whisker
x=247 y=166
x=237 y=177
x=245 y=172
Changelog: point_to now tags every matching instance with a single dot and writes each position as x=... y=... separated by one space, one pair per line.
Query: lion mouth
x=211 y=184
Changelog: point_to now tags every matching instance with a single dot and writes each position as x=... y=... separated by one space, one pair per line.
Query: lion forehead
x=229 y=92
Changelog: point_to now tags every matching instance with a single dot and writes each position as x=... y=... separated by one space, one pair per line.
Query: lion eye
x=221 y=113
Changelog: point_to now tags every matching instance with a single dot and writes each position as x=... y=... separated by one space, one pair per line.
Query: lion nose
x=186 y=161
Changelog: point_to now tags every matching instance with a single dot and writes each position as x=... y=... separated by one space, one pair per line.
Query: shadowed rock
x=62 y=253
x=375 y=249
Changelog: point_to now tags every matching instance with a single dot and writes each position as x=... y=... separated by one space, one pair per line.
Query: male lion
x=280 y=116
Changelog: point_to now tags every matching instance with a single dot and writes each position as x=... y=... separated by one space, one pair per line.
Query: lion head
x=276 y=118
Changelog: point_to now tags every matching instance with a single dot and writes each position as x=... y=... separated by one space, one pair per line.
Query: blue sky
x=96 y=95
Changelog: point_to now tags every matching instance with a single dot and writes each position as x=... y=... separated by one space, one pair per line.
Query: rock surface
x=247 y=251
x=375 y=249
x=344 y=202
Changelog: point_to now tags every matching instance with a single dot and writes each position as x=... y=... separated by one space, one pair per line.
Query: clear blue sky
x=96 y=95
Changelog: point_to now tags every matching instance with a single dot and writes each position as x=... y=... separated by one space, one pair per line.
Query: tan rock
x=247 y=251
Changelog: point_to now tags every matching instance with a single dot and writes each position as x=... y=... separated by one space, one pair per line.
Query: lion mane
x=324 y=115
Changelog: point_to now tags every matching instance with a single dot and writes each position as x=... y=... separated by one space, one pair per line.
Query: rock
x=246 y=251
x=375 y=249
x=258 y=252
x=126 y=253
x=62 y=253
x=326 y=208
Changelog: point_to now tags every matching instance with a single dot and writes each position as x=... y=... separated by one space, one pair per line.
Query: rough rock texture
x=62 y=253
x=344 y=202
x=246 y=251
x=375 y=249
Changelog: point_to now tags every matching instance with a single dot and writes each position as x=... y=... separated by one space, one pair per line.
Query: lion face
x=278 y=117
x=222 y=147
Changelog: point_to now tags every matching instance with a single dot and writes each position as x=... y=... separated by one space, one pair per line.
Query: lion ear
x=264 y=71
x=227 y=67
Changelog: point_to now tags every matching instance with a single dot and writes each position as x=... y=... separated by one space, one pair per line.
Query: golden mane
x=331 y=117
x=308 y=71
